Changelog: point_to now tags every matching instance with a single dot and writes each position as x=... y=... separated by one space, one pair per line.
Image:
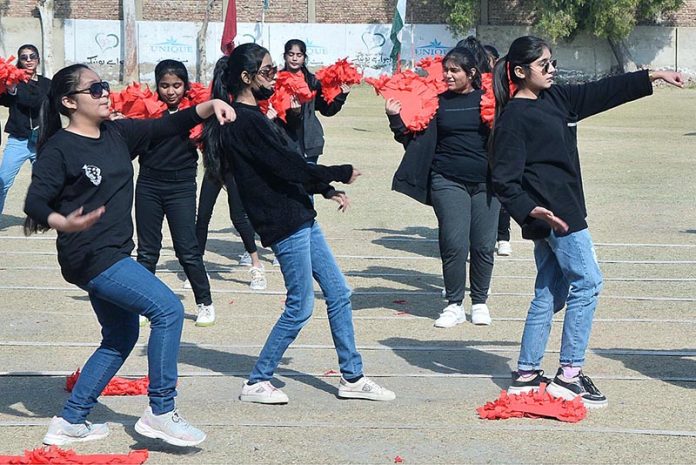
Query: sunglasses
x=96 y=90
x=268 y=73
x=30 y=57
x=547 y=65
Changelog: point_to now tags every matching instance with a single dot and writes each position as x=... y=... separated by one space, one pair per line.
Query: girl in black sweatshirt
x=167 y=187
x=22 y=126
x=536 y=175
x=274 y=182
x=82 y=186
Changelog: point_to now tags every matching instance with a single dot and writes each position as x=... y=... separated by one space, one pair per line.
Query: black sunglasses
x=95 y=90
x=545 y=68
x=268 y=72
x=30 y=57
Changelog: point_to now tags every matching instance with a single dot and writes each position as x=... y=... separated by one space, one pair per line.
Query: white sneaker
x=451 y=316
x=142 y=320
x=480 y=315
x=169 y=427
x=187 y=283
x=504 y=248
x=60 y=432
x=275 y=261
x=258 y=279
x=245 y=259
x=364 y=388
x=444 y=293
x=206 y=315
x=262 y=392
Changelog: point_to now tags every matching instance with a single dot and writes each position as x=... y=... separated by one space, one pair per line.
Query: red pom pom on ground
x=416 y=94
x=116 y=387
x=533 y=405
x=10 y=75
x=288 y=85
x=58 y=456
x=333 y=76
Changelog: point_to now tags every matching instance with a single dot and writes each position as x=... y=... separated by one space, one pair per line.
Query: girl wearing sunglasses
x=23 y=124
x=166 y=186
x=82 y=186
x=302 y=124
x=536 y=175
x=274 y=183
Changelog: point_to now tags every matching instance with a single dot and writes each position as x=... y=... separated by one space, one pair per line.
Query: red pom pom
x=56 y=455
x=10 y=75
x=116 y=387
x=333 y=76
x=416 y=94
x=533 y=405
x=288 y=85
x=137 y=102
x=487 y=99
x=434 y=73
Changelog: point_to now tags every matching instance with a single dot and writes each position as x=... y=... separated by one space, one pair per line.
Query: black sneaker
x=581 y=386
x=521 y=387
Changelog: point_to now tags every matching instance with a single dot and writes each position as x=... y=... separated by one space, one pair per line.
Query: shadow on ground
x=671 y=367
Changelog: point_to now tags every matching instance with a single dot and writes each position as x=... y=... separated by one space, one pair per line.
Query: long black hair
x=478 y=52
x=173 y=67
x=463 y=58
x=227 y=81
x=63 y=83
x=303 y=48
x=31 y=47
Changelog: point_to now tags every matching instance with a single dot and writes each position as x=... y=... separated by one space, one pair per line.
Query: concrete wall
x=589 y=57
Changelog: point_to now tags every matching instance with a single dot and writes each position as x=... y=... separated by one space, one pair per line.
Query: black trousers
x=467 y=217
x=160 y=196
x=503 y=225
x=206 y=202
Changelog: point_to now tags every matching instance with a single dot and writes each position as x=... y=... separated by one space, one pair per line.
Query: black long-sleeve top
x=535 y=157
x=73 y=171
x=171 y=153
x=24 y=106
x=303 y=127
x=273 y=178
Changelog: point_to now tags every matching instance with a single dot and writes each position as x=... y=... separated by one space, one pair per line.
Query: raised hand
x=392 y=107
x=354 y=176
x=670 y=77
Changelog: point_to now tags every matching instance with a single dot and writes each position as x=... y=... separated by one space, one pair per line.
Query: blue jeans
x=567 y=275
x=118 y=295
x=303 y=256
x=17 y=151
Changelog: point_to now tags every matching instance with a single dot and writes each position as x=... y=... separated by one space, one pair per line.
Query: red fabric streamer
x=434 y=72
x=533 y=405
x=229 y=32
x=10 y=75
x=512 y=86
x=487 y=99
x=288 y=85
x=332 y=77
x=398 y=459
x=116 y=387
x=416 y=94
x=56 y=456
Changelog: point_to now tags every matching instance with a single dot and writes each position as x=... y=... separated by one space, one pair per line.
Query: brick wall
x=500 y=12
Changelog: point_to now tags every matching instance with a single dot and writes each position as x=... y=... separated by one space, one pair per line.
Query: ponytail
x=63 y=83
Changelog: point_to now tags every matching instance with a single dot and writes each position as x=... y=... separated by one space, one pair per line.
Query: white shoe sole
x=262 y=400
x=364 y=396
x=563 y=393
x=205 y=324
x=147 y=431
x=257 y=288
x=482 y=321
x=522 y=390
x=450 y=325
x=52 y=440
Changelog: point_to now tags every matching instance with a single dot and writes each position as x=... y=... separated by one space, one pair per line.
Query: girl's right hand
x=75 y=221
x=354 y=176
x=555 y=222
x=392 y=107
x=271 y=113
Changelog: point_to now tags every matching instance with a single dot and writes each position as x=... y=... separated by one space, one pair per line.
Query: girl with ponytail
x=82 y=186
x=274 y=184
x=446 y=166
x=536 y=175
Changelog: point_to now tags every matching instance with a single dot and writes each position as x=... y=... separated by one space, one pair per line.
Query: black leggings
x=206 y=202
x=504 y=225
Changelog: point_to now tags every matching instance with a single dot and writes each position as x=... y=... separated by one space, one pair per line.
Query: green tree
x=463 y=15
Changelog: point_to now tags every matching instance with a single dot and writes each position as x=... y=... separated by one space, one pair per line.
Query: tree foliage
x=463 y=15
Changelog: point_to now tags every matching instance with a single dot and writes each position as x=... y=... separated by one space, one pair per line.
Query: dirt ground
x=638 y=166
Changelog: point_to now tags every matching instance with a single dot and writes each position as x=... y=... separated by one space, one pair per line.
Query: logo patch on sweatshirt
x=93 y=173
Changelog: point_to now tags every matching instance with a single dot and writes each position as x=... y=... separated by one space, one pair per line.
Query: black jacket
x=535 y=159
x=24 y=106
x=304 y=128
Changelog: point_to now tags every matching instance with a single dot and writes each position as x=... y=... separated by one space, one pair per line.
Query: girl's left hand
x=345 y=88
x=342 y=200
x=271 y=113
x=670 y=77
x=114 y=115
x=223 y=111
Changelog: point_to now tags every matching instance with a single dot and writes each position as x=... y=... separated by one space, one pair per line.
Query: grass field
x=638 y=166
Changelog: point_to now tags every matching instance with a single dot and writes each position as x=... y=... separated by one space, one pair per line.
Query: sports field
x=638 y=164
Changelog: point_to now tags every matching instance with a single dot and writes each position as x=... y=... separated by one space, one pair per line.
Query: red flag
x=230 y=30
